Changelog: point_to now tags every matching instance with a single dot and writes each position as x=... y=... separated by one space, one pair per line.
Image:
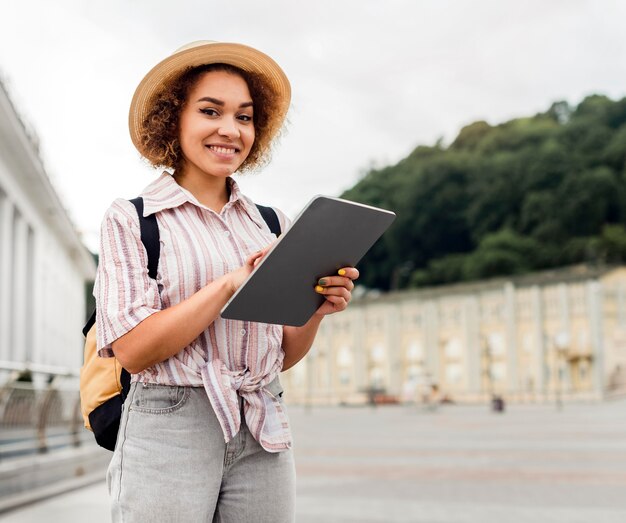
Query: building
x=541 y=337
x=43 y=263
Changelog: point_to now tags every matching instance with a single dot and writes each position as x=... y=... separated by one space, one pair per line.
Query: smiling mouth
x=222 y=150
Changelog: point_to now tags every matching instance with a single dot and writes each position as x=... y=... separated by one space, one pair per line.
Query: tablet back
x=327 y=235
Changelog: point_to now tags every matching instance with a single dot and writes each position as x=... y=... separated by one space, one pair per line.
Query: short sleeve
x=125 y=294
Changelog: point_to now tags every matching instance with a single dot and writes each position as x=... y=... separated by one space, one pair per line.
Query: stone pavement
x=457 y=465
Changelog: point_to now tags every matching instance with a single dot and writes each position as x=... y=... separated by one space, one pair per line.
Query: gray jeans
x=171 y=464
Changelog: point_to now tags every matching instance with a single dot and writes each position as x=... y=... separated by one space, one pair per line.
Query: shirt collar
x=164 y=193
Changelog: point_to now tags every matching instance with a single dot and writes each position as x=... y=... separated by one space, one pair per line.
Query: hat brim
x=238 y=55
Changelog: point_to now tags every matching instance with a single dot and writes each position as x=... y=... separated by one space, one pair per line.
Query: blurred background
x=480 y=372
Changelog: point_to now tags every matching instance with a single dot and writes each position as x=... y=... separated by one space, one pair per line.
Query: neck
x=210 y=191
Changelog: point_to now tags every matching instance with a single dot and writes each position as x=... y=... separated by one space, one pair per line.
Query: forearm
x=297 y=341
x=170 y=330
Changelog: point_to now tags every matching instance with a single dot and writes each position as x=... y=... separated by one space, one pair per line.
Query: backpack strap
x=150 y=239
x=271 y=218
x=149 y=236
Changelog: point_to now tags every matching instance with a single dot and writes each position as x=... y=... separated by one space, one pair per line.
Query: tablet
x=328 y=234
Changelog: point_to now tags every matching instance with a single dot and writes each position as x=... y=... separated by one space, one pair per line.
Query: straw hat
x=201 y=53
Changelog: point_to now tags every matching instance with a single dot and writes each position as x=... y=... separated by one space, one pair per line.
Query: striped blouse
x=198 y=245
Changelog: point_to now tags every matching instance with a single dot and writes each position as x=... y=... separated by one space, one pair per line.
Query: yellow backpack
x=104 y=383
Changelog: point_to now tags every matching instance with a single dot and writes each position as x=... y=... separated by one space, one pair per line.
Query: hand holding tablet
x=328 y=235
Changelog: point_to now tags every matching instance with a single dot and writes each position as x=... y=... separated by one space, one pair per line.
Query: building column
x=566 y=333
x=473 y=349
x=510 y=314
x=38 y=297
x=7 y=212
x=621 y=305
x=20 y=289
x=359 y=349
x=540 y=342
x=594 y=307
x=394 y=352
x=431 y=348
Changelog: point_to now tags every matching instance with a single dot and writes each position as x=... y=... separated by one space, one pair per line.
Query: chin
x=220 y=172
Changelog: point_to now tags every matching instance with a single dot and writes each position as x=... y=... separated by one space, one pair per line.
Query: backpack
x=104 y=384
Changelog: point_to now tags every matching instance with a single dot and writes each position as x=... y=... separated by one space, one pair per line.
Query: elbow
x=286 y=365
x=126 y=358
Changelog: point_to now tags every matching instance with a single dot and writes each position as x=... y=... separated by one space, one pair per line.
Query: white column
x=431 y=327
x=566 y=330
x=359 y=350
x=6 y=270
x=29 y=295
x=510 y=314
x=594 y=307
x=39 y=297
x=20 y=286
x=471 y=334
x=621 y=305
x=540 y=344
x=394 y=352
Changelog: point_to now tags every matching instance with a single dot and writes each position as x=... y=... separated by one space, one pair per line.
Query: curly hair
x=160 y=143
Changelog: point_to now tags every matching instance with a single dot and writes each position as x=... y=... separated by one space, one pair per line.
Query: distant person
x=204 y=435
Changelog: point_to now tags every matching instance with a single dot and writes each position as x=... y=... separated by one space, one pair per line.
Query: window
x=378 y=353
x=498 y=371
x=453 y=348
x=376 y=377
x=344 y=357
x=344 y=377
x=415 y=351
x=454 y=373
x=495 y=341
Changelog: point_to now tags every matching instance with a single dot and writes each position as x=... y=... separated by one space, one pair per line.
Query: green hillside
x=531 y=193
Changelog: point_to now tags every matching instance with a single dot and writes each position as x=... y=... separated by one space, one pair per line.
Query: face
x=216 y=126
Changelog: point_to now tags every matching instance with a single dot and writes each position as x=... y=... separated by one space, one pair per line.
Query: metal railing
x=39 y=409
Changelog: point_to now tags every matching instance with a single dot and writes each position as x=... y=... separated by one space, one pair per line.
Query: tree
x=531 y=193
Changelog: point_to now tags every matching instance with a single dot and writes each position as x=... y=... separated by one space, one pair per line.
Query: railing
x=39 y=410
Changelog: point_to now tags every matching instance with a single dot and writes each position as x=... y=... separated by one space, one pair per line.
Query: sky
x=371 y=80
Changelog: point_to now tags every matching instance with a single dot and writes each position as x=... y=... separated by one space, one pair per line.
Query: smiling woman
x=159 y=140
x=204 y=434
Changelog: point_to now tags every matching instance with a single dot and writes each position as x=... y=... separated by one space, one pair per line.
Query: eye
x=245 y=117
x=209 y=111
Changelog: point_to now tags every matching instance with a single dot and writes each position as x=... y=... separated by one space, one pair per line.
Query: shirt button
x=226 y=233
x=242 y=332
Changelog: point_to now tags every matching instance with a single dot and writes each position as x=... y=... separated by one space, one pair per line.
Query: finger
x=257 y=256
x=338 y=302
x=334 y=291
x=349 y=272
x=336 y=281
x=253 y=259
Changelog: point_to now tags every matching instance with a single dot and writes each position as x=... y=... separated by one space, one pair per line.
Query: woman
x=204 y=435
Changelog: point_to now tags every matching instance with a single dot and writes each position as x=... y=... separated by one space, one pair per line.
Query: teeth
x=222 y=150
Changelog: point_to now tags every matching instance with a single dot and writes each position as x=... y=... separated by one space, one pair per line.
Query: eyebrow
x=220 y=102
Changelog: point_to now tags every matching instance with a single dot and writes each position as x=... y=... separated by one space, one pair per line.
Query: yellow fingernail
x=319 y=288
x=342 y=272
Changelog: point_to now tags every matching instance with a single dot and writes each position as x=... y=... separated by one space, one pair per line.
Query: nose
x=229 y=129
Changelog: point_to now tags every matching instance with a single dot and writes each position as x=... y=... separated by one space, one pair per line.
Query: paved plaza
x=533 y=463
